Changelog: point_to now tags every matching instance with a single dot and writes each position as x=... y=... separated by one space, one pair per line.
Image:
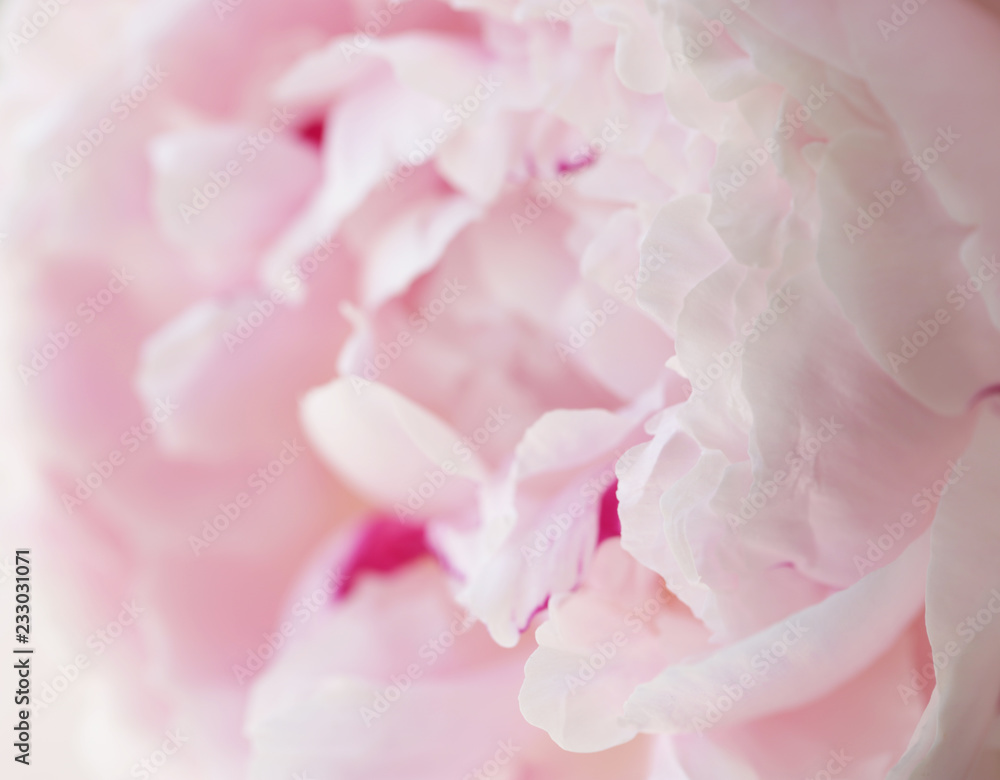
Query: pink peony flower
x=503 y=388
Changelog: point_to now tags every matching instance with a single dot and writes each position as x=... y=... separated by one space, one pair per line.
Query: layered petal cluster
x=512 y=388
x=831 y=301
x=282 y=268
